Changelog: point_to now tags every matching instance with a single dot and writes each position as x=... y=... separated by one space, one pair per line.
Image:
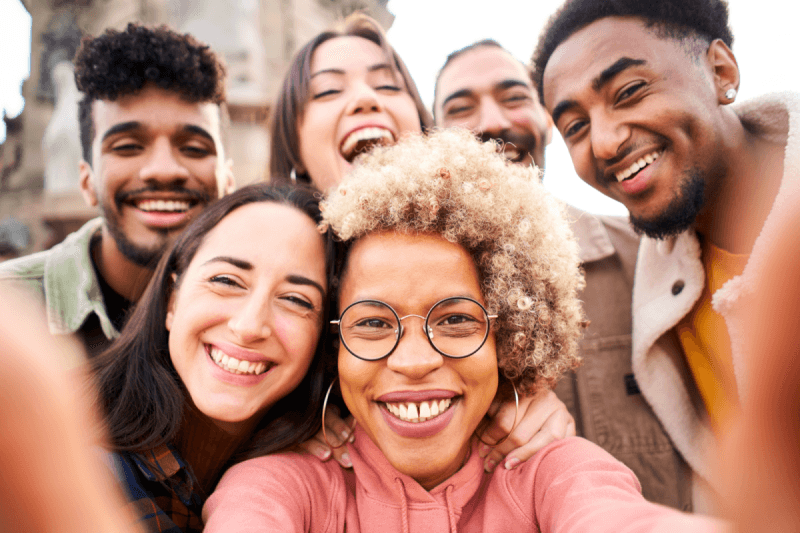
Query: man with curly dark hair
x=151 y=125
x=484 y=88
x=641 y=93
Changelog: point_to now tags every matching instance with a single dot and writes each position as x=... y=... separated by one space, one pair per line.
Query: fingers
x=338 y=432
x=543 y=418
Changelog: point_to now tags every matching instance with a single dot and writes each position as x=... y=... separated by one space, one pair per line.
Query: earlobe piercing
x=730 y=94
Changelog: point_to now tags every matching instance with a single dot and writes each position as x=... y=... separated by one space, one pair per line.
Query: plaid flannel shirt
x=162 y=490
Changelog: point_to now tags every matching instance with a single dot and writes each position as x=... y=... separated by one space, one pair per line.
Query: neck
x=125 y=277
x=206 y=447
x=739 y=201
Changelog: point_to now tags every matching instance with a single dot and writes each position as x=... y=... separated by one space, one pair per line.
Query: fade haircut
x=676 y=19
x=119 y=63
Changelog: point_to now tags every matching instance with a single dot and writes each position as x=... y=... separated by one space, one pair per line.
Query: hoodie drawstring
x=405 y=504
x=451 y=514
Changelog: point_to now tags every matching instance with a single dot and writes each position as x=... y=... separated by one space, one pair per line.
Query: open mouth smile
x=363 y=140
x=636 y=166
x=164 y=206
x=236 y=366
x=416 y=412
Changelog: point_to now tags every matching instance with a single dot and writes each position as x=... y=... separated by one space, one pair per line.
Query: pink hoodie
x=571 y=485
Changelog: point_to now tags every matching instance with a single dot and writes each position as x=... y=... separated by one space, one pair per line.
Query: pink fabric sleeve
x=274 y=493
x=580 y=487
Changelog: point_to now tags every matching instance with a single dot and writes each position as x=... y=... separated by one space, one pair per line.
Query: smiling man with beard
x=641 y=93
x=484 y=88
x=151 y=122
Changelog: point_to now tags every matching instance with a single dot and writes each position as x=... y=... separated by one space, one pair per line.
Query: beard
x=142 y=256
x=681 y=212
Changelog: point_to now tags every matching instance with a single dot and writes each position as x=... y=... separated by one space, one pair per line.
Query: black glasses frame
x=426 y=329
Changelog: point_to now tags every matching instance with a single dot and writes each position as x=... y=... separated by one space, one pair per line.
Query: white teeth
x=418 y=412
x=365 y=134
x=236 y=366
x=178 y=206
x=636 y=166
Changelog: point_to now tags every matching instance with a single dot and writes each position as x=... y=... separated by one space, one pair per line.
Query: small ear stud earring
x=730 y=94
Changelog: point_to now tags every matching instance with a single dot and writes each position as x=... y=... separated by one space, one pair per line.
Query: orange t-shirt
x=705 y=340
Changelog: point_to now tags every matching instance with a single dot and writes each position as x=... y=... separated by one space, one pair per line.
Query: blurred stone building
x=40 y=202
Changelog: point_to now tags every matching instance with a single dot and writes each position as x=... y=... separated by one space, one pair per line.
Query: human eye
x=322 y=94
x=573 y=128
x=225 y=280
x=299 y=301
x=196 y=151
x=517 y=98
x=126 y=147
x=388 y=87
x=629 y=90
x=458 y=325
x=457 y=109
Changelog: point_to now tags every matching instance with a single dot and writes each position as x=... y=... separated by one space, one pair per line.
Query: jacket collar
x=593 y=240
x=72 y=291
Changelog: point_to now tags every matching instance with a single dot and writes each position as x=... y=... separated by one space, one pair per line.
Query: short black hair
x=454 y=55
x=119 y=63
x=676 y=19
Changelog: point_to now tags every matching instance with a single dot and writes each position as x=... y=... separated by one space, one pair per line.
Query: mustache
x=193 y=195
x=524 y=143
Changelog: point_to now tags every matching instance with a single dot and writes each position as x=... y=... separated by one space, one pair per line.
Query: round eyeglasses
x=455 y=327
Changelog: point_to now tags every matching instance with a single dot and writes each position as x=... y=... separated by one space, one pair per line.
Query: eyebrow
x=619 y=65
x=599 y=82
x=499 y=86
x=302 y=280
x=124 y=127
x=246 y=265
x=341 y=72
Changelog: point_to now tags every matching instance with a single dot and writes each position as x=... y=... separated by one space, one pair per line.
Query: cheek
x=298 y=337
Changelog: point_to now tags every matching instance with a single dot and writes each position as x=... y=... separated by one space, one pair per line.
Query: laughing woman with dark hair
x=219 y=359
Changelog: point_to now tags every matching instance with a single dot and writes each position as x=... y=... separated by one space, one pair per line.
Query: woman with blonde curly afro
x=345 y=92
x=458 y=283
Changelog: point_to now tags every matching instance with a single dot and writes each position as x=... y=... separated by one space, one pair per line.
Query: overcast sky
x=425 y=31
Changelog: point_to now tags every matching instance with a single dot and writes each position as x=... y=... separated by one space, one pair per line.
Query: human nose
x=365 y=100
x=162 y=165
x=608 y=136
x=250 y=322
x=414 y=356
x=492 y=117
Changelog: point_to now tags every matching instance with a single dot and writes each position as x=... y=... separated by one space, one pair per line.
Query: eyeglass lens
x=457 y=327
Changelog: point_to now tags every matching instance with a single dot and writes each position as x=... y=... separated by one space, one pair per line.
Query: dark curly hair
x=118 y=63
x=676 y=19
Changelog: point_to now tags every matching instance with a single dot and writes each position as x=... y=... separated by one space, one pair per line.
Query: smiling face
x=244 y=320
x=382 y=395
x=157 y=161
x=489 y=92
x=357 y=99
x=640 y=114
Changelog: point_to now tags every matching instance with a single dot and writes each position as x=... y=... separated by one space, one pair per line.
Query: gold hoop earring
x=516 y=414
x=324 y=407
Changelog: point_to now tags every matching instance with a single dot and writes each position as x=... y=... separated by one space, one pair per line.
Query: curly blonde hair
x=448 y=183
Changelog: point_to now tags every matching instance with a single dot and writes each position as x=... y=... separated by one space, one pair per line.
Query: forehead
x=431 y=268
x=156 y=109
x=347 y=54
x=267 y=233
x=590 y=50
x=481 y=69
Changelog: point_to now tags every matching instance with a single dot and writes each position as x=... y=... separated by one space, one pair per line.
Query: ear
x=171 y=304
x=88 y=189
x=724 y=68
x=227 y=182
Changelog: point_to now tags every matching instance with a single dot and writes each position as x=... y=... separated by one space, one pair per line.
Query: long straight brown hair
x=295 y=91
x=140 y=392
